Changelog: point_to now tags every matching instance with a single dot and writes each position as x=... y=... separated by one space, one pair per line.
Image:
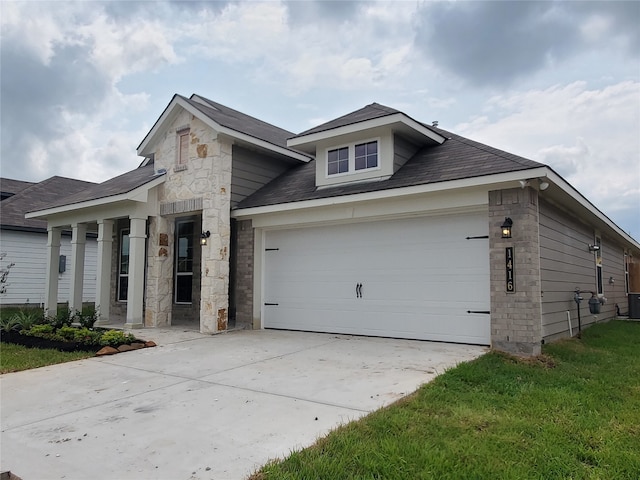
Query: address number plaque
x=511 y=283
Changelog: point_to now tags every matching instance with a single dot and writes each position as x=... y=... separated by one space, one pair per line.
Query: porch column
x=135 y=291
x=103 y=280
x=78 y=242
x=53 y=265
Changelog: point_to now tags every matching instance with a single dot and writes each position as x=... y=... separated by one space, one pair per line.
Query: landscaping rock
x=150 y=343
x=125 y=348
x=137 y=345
x=106 y=351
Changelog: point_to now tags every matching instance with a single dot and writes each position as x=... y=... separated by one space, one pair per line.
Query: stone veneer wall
x=516 y=318
x=202 y=185
x=244 y=275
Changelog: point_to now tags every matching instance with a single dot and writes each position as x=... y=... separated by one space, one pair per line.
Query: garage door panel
x=419 y=279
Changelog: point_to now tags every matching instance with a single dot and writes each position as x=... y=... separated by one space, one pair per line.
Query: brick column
x=516 y=317
x=244 y=275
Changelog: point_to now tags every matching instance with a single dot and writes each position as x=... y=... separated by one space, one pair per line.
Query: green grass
x=572 y=413
x=14 y=358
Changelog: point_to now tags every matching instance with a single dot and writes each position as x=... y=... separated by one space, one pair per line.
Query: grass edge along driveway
x=573 y=412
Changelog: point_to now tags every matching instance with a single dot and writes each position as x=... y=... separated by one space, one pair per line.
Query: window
x=184 y=261
x=352 y=158
x=338 y=161
x=599 y=266
x=183 y=146
x=366 y=155
x=123 y=265
x=627 y=260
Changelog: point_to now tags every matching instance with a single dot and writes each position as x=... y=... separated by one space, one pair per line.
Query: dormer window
x=352 y=158
x=338 y=161
x=366 y=155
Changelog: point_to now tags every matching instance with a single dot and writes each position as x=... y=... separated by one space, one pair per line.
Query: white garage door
x=419 y=278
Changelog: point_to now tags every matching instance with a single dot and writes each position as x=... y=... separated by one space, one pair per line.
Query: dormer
x=370 y=144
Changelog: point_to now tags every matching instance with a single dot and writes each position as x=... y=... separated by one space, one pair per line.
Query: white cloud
x=582 y=134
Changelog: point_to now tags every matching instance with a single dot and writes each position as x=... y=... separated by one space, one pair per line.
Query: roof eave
x=135 y=195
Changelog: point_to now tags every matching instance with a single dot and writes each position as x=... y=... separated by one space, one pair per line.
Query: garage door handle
x=487 y=312
x=358 y=290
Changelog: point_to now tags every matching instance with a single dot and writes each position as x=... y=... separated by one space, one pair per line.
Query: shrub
x=87 y=318
x=89 y=337
x=114 y=338
x=25 y=319
x=8 y=324
x=63 y=318
x=44 y=330
x=66 y=334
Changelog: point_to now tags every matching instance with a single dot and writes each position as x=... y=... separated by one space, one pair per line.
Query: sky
x=557 y=82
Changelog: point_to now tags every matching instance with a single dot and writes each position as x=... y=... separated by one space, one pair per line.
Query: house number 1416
x=511 y=284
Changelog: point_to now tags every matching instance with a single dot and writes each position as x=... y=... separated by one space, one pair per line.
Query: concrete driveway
x=203 y=407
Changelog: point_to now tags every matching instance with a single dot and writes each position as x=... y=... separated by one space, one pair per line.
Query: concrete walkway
x=203 y=407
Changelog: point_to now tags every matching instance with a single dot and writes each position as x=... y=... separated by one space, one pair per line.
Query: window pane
x=124 y=252
x=184 y=247
x=123 y=288
x=183 y=288
x=184 y=148
x=338 y=161
x=366 y=155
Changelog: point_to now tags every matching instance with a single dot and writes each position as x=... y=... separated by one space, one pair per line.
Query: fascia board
x=138 y=194
x=366 y=125
x=169 y=113
x=393 y=193
x=586 y=204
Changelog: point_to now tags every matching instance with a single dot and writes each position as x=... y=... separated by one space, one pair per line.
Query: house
x=23 y=242
x=373 y=223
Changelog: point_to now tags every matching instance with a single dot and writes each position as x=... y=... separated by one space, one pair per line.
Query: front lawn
x=15 y=358
x=573 y=413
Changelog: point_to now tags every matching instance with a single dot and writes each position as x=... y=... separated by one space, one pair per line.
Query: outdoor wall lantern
x=594 y=248
x=506 y=227
x=611 y=281
x=204 y=236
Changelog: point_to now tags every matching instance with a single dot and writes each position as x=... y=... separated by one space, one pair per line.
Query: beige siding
x=27 y=277
x=251 y=171
x=567 y=264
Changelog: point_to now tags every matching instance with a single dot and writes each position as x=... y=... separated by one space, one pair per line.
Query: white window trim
x=352 y=158
x=175 y=266
x=599 y=271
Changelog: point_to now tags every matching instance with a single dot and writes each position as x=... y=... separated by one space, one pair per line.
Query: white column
x=103 y=277
x=78 y=241
x=53 y=263
x=135 y=292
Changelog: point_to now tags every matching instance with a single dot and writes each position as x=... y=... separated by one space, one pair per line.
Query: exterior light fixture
x=594 y=248
x=204 y=236
x=542 y=184
x=506 y=227
x=611 y=281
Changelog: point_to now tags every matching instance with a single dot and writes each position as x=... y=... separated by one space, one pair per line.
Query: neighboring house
x=24 y=242
x=373 y=224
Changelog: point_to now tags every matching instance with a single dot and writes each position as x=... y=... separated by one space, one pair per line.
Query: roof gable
x=368 y=118
x=224 y=120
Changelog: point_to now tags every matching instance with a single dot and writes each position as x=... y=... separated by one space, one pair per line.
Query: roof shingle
x=457 y=158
